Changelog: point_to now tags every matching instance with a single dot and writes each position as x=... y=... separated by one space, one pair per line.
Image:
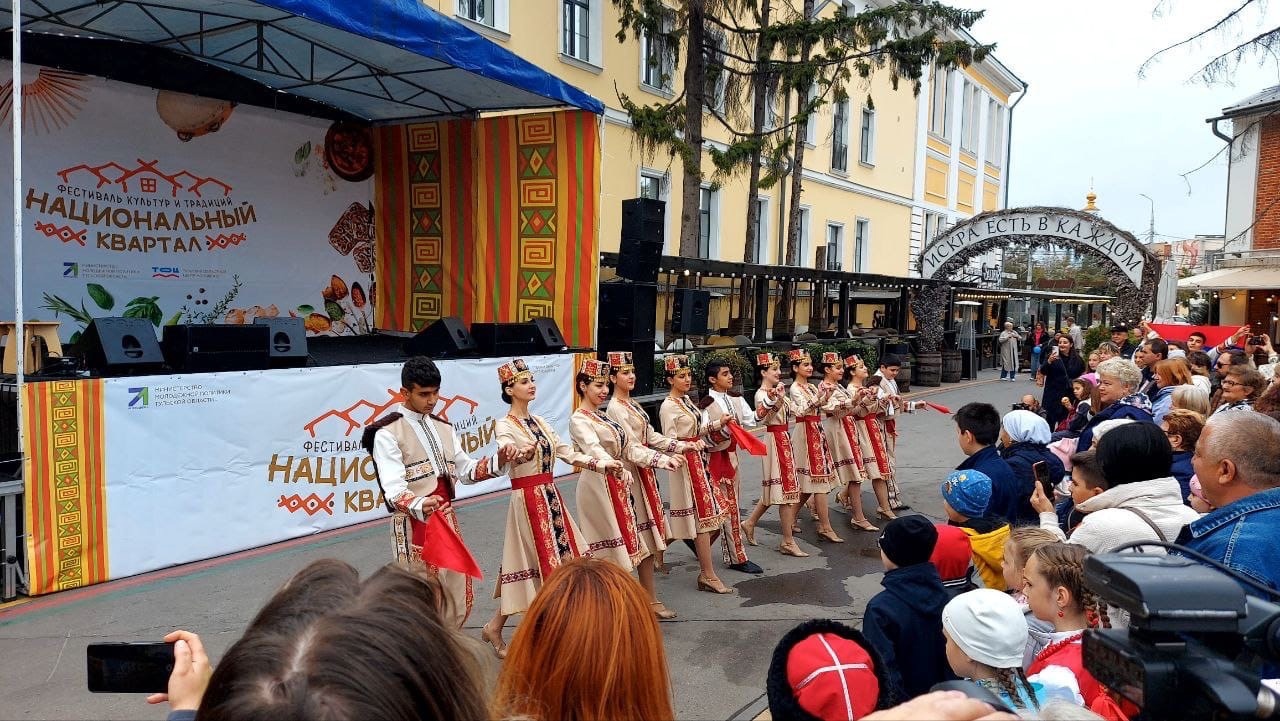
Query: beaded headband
x=512 y=371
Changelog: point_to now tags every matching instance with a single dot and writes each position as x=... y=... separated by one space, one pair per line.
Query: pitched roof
x=1254 y=103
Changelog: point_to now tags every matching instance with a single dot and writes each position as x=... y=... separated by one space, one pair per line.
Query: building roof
x=1254 y=103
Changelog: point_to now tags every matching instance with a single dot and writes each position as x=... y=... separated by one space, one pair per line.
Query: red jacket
x=1069 y=654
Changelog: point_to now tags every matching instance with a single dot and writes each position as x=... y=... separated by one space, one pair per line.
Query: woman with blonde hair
x=589 y=650
x=1190 y=398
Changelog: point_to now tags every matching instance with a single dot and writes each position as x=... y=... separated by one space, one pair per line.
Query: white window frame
x=594 y=59
x=970 y=109
x=867 y=137
x=498 y=10
x=762 y=230
x=996 y=113
x=806 y=245
x=717 y=104
x=666 y=66
x=713 y=222
x=934 y=225
x=840 y=137
x=838 y=264
x=940 y=103
x=861 y=243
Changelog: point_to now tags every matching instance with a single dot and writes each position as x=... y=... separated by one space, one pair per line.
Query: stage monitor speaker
x=689 y=311
x=208 y=348
x=287 y=345
x=121 y=346
x=445 y=338
x=504 y=340
x=642 y=355
x=547 y=335
x=627 y=312
x=640 y=247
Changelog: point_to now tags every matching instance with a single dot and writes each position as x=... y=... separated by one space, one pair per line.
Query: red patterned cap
x=766 y=360
x=512 y=371
x=620 y=360
x=830 y=358
x=795 y=355
x=673 y=363
x=596 y=369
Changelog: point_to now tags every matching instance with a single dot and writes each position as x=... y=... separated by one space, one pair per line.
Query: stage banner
x=492 y=220
x=135 y=474
x=174 y=208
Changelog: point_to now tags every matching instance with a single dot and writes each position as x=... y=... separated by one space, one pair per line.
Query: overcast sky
x=1088 y=115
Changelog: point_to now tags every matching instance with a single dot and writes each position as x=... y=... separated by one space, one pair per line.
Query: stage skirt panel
x=540 y=533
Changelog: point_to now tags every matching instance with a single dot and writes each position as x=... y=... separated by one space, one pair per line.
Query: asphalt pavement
x=718 y=649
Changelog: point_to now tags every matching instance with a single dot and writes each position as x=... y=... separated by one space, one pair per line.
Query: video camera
x=1197 y=646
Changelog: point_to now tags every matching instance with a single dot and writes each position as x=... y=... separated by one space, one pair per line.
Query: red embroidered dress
x=697 y=504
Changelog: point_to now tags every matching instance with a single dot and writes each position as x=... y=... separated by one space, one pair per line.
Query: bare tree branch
x=1222 y=22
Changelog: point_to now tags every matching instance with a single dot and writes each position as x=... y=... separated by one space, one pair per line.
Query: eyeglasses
x=1228 y=383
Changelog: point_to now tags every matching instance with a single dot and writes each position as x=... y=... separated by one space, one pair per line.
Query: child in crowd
x=986 y=634
x=1078 y=411
x=1055 y=590
x=953 y=557
x=904 y=621
x=1021 y=544
x=823 y=670
x=965 y=497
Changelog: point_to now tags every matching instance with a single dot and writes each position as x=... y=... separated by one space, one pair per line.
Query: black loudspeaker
x=627 y=312
x=504 y=340
x=689 y=311
x=640 y=248
x=216 y=347
x=642 y=355
x=548 y=336
x=287 y=345
x=445 y=338
x=121 y=346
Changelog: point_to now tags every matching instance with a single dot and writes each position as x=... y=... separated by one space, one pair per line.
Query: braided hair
x=1013 y=682
x=1062 y=564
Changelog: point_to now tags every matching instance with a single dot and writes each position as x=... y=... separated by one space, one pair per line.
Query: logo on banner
x=70 y=270
x=141 y=397
x=159 y=272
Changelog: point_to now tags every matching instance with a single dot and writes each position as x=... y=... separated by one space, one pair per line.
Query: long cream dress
x=697 y=504
x=813 y=458
x=871 y=437
x=651 y=517
x=540 y=533
x=606 y=510
x=842 y=437
x=778 y=478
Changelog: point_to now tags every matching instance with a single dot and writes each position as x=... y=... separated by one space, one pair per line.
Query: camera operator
x=1239 y=472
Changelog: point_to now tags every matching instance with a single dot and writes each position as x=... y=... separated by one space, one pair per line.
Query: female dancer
x=540 y=534
x=697 y=504
x=814 y=472
x=779 y=485
x=651 y=517
x=842 y=439
x=871 y=439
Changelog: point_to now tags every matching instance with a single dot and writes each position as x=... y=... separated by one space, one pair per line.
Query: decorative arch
x=1132 y=268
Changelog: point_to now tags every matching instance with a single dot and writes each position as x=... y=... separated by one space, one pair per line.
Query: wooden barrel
x=952 y=362
x=904 y=375
x=929 y=369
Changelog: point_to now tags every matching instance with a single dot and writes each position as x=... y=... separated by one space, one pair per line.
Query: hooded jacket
x=1108 y=522
x=987 y=537
x=904 y=625
x=1004 y=488
x=1135 y=407
x=1021 y=457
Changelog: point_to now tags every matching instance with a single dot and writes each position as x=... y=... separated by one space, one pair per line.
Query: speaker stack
x=689 y=311
x=628 y=310
x=207 y=348
x=121 y=346
x=445 y=338
x=287 y=344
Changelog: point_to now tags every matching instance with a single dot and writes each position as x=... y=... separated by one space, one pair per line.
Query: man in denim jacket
x=1239 y=469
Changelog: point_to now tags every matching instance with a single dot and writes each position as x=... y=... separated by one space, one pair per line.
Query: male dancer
x=887 y=392
x=724 y=462
x=418 y=459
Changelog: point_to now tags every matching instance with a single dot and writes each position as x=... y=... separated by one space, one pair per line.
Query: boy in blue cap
x=904 y=621
x=966 y=497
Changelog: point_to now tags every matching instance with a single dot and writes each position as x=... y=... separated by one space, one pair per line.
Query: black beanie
x=909 y=540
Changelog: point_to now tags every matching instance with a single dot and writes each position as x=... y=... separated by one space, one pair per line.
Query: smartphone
x=1040 y=470
x=129 y=667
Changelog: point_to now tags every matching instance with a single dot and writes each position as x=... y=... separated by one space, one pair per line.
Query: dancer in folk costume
x=890 y=364
x=540 y=534
x=418 y=459
x=814 y=470
x=723 y=461
x=778 y=479
x=651 y=517
x=871 y=441
x=842 y=439
x=697 y=502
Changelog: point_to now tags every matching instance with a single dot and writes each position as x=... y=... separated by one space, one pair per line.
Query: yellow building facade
x=882 y=172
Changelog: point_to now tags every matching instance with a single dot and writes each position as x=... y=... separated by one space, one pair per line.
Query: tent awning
x=1246 y=278
x=390 y=60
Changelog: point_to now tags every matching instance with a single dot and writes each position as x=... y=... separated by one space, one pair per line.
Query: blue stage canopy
x=380 y=60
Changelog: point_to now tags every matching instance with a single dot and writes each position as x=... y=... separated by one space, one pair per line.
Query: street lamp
x=1151 y=229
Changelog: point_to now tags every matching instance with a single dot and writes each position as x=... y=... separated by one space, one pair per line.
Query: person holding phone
x=1063 y=366
x=188 y=680
x=1024 y=440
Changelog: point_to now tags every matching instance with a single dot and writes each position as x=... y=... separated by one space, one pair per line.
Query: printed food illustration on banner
x=183 y=209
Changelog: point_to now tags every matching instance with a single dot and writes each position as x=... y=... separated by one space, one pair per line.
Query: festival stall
x=191 y=205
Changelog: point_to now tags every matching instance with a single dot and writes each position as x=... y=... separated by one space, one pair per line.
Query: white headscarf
x=1026 y=427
